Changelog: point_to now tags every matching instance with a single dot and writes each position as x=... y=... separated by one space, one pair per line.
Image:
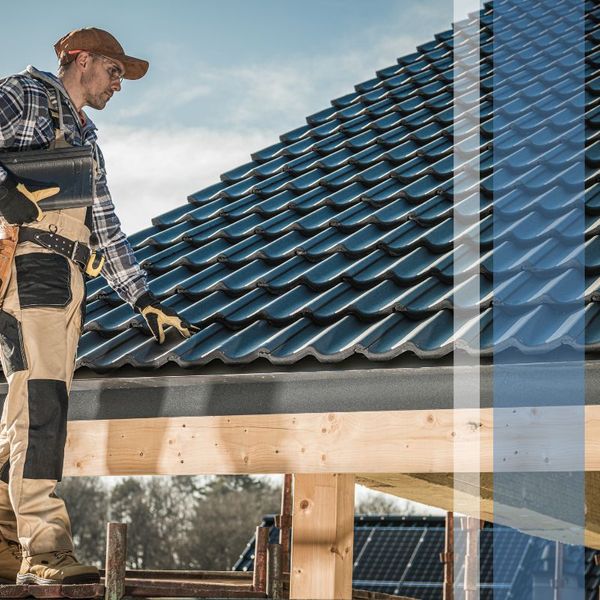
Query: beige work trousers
x=40 y=325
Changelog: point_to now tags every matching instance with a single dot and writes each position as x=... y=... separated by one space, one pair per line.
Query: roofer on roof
x=43 y=308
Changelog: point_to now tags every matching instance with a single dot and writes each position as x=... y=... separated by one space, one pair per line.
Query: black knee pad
x=48 y=404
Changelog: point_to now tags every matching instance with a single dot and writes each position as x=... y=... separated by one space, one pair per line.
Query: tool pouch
x=9 y=237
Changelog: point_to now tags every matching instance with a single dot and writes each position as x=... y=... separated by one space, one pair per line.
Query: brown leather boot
x=10 y=560
x=55 y=568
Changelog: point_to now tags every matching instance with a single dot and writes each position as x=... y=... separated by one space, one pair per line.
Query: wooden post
x=274 y=572
x=472 y=525
x=116 y=557
x=285 y=521
x=322 y=536
x=259 y=581
x=447 y=557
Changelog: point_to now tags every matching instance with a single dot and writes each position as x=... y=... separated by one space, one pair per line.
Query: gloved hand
x=18 y=199
x=158 y=317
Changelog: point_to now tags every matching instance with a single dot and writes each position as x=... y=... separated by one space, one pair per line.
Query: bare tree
x=382 y=504
x=226 y=518
x=173 y=522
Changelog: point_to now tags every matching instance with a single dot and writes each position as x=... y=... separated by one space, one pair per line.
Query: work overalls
x=40 y=324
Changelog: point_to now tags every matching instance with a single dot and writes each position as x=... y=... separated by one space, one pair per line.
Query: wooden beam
x=322 y=536
x=415 y=441
x=442 y=490
x=279 y=443
x=405 y=442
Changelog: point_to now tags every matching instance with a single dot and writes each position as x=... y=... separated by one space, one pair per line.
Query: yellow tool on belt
x=94 y=264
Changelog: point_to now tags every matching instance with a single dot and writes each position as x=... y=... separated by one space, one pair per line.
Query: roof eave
x=329 y=389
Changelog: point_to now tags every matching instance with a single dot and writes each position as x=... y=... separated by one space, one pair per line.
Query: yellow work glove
x=19 y=199
x=159 y=317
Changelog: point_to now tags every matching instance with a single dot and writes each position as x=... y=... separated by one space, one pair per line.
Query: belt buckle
x=92 y=269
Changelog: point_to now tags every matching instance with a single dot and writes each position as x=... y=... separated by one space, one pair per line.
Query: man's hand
x=158 y=317
x=18 y=199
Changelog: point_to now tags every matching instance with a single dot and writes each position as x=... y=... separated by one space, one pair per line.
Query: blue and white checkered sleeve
x=121 y=268
x=12 y=104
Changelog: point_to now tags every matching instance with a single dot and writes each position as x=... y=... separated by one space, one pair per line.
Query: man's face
x=101 y=80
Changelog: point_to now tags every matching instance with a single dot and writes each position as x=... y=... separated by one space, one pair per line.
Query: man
x=44 y=306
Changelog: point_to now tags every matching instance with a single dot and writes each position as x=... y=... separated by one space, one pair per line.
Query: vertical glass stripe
x=466 y=295
x=538 y=190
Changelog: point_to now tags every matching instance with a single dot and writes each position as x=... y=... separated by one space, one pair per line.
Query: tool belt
x=90 y=262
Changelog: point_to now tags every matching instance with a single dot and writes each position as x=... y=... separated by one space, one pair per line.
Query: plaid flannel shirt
x=25 y=124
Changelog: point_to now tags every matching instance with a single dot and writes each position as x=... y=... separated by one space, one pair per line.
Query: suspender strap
x=55 y=108
x=89 y=220
x=56 y=114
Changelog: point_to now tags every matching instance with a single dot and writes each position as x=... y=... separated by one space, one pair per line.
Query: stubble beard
x=97 y=101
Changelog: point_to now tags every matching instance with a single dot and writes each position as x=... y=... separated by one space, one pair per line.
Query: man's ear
x=83 y=60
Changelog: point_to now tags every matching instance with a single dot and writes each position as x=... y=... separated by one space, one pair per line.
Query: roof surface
x=338 y=239
x=401 y=555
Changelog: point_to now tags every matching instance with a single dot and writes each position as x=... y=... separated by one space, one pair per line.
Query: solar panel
x=400 y=555
x=387 y=556
x=420 y=590
x=425 y=565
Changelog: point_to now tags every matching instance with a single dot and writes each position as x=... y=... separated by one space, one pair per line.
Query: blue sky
x=227 y=77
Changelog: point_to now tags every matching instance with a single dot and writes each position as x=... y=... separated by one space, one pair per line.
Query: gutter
x=325 y=390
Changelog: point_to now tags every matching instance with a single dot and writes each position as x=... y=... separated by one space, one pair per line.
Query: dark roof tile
x=338 y=239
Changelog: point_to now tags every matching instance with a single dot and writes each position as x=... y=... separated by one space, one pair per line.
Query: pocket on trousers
x=43 y=280
x=11 y=344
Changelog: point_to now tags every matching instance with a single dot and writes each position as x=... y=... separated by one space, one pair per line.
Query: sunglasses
x=114 y=71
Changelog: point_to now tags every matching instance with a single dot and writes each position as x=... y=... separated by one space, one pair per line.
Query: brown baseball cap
x=98 y=41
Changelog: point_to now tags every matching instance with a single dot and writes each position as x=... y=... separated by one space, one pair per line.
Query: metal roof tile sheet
x=338 y=239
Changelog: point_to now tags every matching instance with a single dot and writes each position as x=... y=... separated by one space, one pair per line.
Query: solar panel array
x=400 y=555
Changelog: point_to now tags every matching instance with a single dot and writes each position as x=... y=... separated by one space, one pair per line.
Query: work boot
x=55 y=568
x=10 y=560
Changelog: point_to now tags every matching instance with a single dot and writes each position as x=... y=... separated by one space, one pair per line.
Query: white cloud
x=152 y=171
x=262 y=93
x=235 y=111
